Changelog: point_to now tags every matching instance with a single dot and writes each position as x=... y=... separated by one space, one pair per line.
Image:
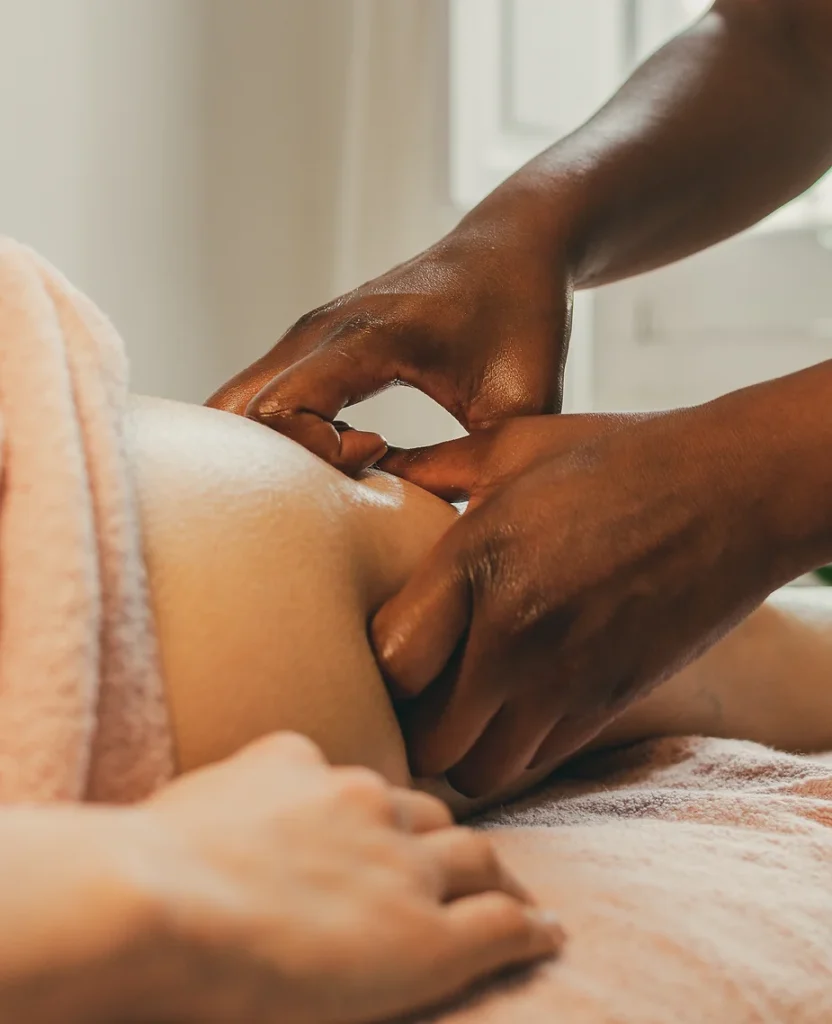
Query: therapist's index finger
x=353 y=359
x=350 y=451
x=237 y=394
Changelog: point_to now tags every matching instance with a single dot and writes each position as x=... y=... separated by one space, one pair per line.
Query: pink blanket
x=694 y=877
x=82 y=712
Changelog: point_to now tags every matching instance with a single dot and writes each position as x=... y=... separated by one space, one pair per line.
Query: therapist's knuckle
x=355 y=323
x=313 y=318
x=489 y=561
x=510 y=591
x=528 y=607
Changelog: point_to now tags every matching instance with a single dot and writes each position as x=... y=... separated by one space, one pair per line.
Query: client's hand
x=325 y=895
x=598 y=555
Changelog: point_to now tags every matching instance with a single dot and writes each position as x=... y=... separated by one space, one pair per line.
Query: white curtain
x=327 y=165
x=392 y=172
x=392 y=176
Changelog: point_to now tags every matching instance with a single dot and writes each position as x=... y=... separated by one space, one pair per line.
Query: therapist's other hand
x=324 y=895
x=480 y=322
x=471 y=468
x=596 y=555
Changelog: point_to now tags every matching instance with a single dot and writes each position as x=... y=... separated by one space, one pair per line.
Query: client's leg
x=770 y=681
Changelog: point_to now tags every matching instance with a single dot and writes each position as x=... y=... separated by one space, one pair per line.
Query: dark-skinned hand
x=482 y=328
x=591 y=564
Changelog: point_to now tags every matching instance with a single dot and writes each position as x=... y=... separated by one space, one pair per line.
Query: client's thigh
x=262 y=580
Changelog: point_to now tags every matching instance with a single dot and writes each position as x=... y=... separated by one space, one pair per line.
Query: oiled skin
x=266 y=564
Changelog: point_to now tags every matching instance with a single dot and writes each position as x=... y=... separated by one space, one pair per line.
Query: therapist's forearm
x=722 y=126
x=773 y=440
x=81 y=934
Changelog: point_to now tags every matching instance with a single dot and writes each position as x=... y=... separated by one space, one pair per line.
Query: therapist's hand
x=597 y=556
x=480 y=322
x=317 y=895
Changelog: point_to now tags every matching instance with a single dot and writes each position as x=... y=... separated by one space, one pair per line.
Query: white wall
x=196 y=164
x=100 y=114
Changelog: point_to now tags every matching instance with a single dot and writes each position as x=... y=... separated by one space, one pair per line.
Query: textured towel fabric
x=694 y=877
x=82 y=710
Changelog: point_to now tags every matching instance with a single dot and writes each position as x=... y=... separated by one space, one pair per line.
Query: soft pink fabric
x=82 y=710
x=694 y=877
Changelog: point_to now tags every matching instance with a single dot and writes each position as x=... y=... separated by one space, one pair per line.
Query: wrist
x=200 y=959
x=772 y=444
x=85 y=922
x=538 y=211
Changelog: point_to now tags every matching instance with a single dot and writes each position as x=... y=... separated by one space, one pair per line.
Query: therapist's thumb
x=416 y=633
x=452 y=470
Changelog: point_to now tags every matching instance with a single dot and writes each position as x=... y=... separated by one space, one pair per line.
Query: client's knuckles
x=286 y=746
x=368 y=792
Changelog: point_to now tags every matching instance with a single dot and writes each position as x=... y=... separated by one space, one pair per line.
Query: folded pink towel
x=82 y=710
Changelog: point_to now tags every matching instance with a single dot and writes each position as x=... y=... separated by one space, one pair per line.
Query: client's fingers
x=283 y=748
x=467 y=864
x=420 y=813
x=491 y=932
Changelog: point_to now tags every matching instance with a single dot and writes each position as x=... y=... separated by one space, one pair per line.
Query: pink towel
x=82 y=710
x=694 y=877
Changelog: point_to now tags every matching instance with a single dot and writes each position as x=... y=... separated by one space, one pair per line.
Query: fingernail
x=550 y=921
x=379 y=453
